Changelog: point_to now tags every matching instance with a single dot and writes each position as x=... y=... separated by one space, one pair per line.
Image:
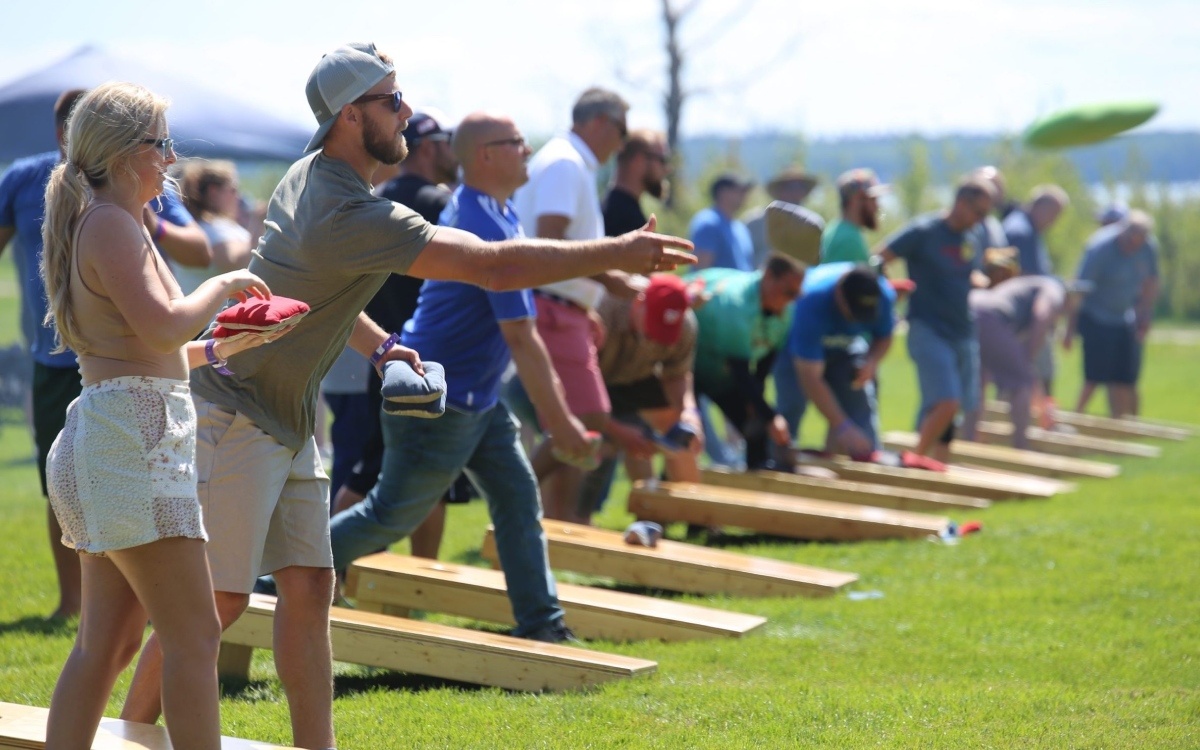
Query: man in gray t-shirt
x=1119 y=278
x=941 y=336
x=331 y=243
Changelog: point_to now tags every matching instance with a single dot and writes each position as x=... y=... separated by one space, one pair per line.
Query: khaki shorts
x=265 y=506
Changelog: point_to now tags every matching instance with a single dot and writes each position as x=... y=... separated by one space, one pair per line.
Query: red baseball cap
x=667 y=303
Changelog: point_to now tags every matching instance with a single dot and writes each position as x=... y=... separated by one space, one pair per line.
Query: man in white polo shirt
x=561 y=201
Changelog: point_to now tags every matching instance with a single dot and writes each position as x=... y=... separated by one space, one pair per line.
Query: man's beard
x=387 y=150
x=870 y=219
x=656 y=188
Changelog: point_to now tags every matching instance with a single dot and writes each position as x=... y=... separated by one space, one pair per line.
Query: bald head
x=492 y=152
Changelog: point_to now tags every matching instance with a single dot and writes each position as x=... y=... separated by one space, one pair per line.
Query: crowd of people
x=182 y=468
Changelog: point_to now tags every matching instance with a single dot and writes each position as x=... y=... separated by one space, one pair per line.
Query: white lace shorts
x=123 y=470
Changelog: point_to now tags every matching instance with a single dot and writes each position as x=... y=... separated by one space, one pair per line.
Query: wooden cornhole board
x=958 y=480
x=1064 y=444
x=394 y=584
x=677 y=566
x=24 y=728
x=435 y=650
x=840 y=490
x=782 y=515
x=1091 y=424
x=1011 y=459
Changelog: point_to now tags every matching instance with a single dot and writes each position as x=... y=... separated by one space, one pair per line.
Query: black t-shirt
x=622 y=213
x=397 y=300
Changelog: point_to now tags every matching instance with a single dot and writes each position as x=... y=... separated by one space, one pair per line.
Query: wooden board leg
x=233 y=663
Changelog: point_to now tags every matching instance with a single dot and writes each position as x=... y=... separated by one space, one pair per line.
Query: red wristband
x=160 y=230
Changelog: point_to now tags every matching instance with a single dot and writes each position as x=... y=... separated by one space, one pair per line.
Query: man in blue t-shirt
x=839 y=304
x=941 y=334
x=474 y=334
x=721 y=240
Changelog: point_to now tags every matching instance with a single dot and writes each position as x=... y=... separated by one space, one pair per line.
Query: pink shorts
x=570 y=339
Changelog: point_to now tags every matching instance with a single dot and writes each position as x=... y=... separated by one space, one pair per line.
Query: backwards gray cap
x=341 y=77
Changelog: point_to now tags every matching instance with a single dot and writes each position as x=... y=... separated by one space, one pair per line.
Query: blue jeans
x=790 y=402
x=948 y=369
x=421 y=459
x=841 y=368
x=349 y=433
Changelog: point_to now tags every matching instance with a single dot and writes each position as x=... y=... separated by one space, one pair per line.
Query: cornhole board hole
x=1011 y=459
x=841 y=491
x=394 y=584
x=1063 y=444
x=435 y=650
x=1091 y=424
x=781 y=515
x=957 y=480
x=24 y=728
x=677 y=566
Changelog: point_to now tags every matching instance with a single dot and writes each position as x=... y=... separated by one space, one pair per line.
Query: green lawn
x=1066 y=623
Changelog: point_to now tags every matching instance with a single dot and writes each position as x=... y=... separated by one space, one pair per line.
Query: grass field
x=1066 y=623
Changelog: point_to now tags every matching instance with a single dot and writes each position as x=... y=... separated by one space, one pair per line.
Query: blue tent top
x=203 y=122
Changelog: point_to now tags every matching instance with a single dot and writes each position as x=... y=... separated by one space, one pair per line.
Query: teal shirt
x=844 y=242
x=732 y=325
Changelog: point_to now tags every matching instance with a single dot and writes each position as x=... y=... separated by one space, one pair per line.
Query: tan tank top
x=113 y=349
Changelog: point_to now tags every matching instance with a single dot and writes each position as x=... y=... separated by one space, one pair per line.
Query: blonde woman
x=210 y=193
x=121 y=474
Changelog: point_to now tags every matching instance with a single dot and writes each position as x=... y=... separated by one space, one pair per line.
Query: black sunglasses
x=397 y=98
x=165 y=146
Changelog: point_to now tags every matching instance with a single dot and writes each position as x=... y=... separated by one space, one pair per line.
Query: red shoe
x=910 y=460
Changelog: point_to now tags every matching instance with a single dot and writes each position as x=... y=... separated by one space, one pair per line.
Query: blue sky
x=829 y=69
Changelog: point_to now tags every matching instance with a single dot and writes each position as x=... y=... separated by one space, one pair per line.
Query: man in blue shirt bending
x=474 y=334
x=839 y=304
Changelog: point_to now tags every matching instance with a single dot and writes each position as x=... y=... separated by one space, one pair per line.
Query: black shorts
x=54 y=388
x=1111 y=353
x=629 y=398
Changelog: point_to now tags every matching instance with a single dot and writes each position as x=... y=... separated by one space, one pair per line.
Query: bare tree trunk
x=674 y=97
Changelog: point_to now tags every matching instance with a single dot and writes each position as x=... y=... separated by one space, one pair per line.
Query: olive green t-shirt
x=329 y=242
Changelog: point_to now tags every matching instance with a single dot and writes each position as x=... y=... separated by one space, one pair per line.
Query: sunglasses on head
x=397 y=98
x=165 y=146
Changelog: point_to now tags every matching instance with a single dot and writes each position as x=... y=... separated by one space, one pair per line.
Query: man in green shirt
x=741 y=328
x=844 y=239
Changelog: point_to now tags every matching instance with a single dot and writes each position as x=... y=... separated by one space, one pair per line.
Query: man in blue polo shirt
x=839 y=304
x=474 y=334
x=55 y=376
x=941 y=334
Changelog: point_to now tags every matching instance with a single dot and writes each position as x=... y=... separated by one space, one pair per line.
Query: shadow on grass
x=373 y=680
x=40 y=625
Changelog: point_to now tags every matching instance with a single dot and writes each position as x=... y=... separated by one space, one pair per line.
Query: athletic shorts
x=1111 y=353
x=947 y=369
x=266 y=506
x=122 y=472
x=570 y=340
x=630 y=398
x=54 y=388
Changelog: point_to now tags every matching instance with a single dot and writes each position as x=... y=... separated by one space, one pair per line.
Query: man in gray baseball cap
x=332 y=243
